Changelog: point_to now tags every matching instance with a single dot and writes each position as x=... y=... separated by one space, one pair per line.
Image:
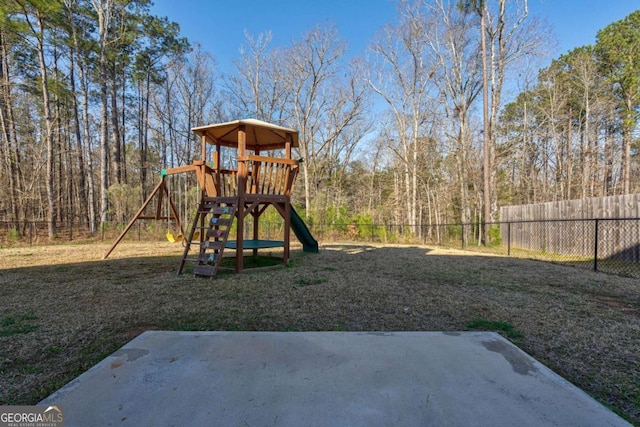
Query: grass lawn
x=63 y=309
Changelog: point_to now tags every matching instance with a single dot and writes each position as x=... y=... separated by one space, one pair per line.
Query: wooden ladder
x=213 y=221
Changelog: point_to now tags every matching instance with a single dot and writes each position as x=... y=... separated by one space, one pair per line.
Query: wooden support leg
x=161 y=186
x=240 y=236
x=287 y=234
x=256 y=228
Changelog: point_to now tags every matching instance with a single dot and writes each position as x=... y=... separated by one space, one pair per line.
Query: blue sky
x=219 y=25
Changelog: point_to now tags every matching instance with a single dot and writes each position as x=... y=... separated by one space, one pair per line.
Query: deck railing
x=228 y=183
x=264 y=175
x=269 y=175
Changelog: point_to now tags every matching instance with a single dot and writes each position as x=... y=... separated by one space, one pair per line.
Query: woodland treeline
x=444 y=118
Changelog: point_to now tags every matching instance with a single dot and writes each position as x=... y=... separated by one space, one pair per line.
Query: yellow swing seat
x=174 y=239
x=177 y=239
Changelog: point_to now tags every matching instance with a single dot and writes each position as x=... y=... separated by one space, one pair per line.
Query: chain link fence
x=606 y=245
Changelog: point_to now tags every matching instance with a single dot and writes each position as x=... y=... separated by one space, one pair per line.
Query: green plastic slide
x=309 y=244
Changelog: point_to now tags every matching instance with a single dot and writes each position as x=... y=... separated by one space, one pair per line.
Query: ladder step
x=223 y=222
x=218 y=214
x=215 y=245
x=216 y=233
x=217 y=211
x=204 y=270
x=205 y=257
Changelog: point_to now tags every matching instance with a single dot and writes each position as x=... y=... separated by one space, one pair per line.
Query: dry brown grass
x=62 y=308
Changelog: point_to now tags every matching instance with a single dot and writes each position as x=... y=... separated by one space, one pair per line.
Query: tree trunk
x=50 y=184
x=102 y=8
x=307 y=183
x=414 y=179
x=87 y=190
x=116 y=150
x=91 y=192
x=10 y=149
x=82 y=187
x=486 y=134
x=627 y=135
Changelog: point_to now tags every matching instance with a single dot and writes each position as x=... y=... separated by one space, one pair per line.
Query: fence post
x=595 y=246
x=509 y=238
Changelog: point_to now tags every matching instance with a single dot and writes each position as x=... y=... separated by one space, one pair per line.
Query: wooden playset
x=234 y=194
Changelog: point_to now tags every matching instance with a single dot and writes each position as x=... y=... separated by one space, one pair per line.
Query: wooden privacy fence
x=600 y=238
x=604 y=228
x=623 y=206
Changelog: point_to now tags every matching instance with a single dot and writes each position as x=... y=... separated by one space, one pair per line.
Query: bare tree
x=185 y=98
x=403 y=69
x=258 y=89
x=585 y=87
x=325 y=103
x=505 y=37
x=458 y=80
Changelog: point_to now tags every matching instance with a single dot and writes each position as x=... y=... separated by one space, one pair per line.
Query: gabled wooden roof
x=259 y=135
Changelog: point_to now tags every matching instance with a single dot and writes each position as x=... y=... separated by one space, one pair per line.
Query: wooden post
x=287 y=204
x=287 y=234
x=256 y=212
x=203 y=148
x=218 y=165
x=287 y=147
x=256 y=231
x=242 y=184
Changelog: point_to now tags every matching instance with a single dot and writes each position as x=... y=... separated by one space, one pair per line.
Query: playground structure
x=257 y=183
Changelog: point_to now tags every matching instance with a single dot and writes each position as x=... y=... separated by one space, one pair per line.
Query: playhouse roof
x=259 y=135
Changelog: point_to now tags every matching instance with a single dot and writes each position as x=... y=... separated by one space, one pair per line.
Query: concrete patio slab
x=324 y=379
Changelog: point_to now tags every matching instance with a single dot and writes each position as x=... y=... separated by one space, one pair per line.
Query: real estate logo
x=31 y=416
